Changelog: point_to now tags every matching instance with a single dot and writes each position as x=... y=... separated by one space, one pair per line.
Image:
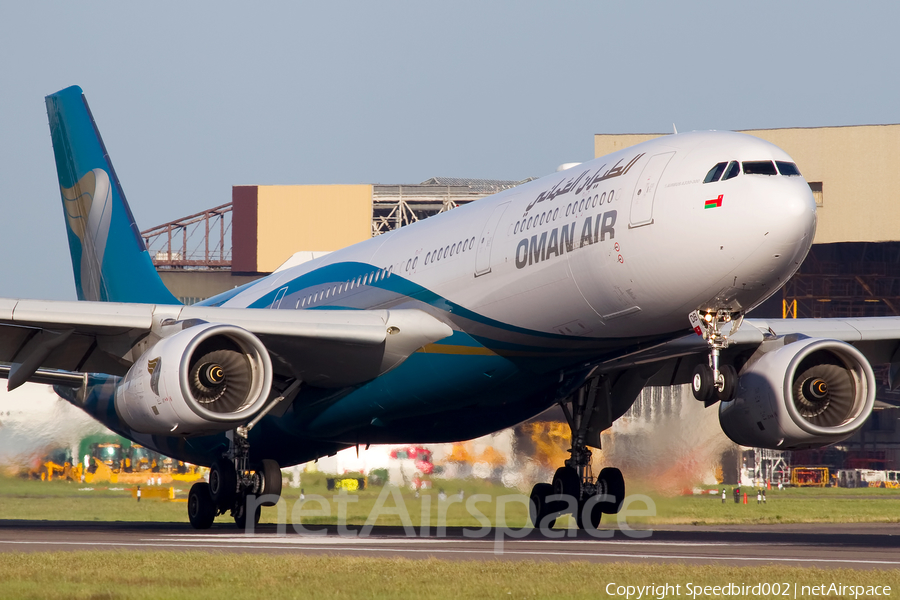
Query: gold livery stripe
x=447 y=349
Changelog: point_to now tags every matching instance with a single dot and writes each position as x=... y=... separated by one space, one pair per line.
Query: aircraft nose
x=784 y=220
x=792 y=221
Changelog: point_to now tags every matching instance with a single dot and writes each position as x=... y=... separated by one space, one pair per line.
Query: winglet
x=109 y=257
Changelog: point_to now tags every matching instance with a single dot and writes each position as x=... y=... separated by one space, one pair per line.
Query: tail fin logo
x=88 y=206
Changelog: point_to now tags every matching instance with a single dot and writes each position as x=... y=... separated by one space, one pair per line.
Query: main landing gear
x=233 y=478
x=574 y=489
x=714 y=381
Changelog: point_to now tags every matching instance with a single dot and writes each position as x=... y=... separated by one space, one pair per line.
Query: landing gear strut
x=574 y=488
x=232 y=478
x=714 y=381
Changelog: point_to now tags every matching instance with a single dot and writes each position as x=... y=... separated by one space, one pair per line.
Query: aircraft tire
x=201 y=508
x=702 y=385
x=567 y=483
x=729 y=383
x=240 y=515
x=271 y=480
x=539 y=507
x=614 y=484
x=223 y=483
x=593 y=519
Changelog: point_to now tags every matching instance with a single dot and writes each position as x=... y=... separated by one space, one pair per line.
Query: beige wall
x=201 y=284
x=859 y=168
x=310 y=217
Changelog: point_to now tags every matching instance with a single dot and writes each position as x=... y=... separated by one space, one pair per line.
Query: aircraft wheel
x=727 y=383
x=240 y=515
x=567 y=482
x=201 y=508
x=593 y=519
x=270 y=480
x=539 y=507
x=223 y=483
x=702 y=384
x=614 y=485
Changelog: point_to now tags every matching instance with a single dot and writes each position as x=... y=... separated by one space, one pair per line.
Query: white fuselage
x=619 y=247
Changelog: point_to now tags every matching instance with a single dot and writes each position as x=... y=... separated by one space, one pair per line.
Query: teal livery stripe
x=339 y=273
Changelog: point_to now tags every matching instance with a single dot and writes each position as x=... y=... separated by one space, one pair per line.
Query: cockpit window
x=734 y=169
x=787 y=169
x=759 y=167
x=715 y=173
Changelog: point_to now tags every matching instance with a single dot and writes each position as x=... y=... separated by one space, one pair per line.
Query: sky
x=194 y=97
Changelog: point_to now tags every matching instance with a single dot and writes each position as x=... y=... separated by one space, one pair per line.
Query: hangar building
x=213 y=251
x=853 y=268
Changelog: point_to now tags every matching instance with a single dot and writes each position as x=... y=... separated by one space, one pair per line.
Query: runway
x=858 y=546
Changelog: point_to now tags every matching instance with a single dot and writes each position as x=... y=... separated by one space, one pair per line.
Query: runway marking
x=481 y=552
x=331 y=540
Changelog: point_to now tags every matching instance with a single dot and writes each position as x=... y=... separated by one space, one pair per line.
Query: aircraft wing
x=329 y=348
x=878 y=338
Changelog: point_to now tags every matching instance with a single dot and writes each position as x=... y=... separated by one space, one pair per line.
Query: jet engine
x=204 y=379
x=809 y=393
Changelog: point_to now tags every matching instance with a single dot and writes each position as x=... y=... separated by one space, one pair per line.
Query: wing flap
x=325 y=347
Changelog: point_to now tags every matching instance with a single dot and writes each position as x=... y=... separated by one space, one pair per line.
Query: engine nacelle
x=205 y=379
x=806 y=394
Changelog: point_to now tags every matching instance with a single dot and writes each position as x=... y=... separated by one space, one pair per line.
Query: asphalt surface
x=858 y=546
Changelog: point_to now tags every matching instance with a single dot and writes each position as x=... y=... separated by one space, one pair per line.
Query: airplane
x=577 y=289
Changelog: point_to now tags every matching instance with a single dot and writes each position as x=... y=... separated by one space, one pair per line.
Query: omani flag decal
x=714 y=203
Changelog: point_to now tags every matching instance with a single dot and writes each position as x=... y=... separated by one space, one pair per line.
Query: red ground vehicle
x=420 y=456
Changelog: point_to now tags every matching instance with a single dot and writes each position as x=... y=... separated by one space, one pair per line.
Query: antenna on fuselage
x=674 y=129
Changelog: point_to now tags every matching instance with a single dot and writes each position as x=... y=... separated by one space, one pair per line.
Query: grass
x=149 y=575
x=214 y=575
x=59 y=500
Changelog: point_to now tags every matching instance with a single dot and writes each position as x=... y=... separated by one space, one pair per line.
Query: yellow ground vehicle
x=810 y=476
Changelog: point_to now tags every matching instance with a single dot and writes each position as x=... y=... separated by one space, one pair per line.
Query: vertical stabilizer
x=109 y=257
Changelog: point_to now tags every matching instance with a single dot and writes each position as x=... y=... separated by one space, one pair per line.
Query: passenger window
x=759 y=167
x=415 y=262
x=427 y=257
x=715 y=173
x=440 y=253
x=734 y=169
x=555 y=214
x=787 y=169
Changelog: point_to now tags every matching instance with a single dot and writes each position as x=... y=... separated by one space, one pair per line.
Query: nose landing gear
x=714 y=381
